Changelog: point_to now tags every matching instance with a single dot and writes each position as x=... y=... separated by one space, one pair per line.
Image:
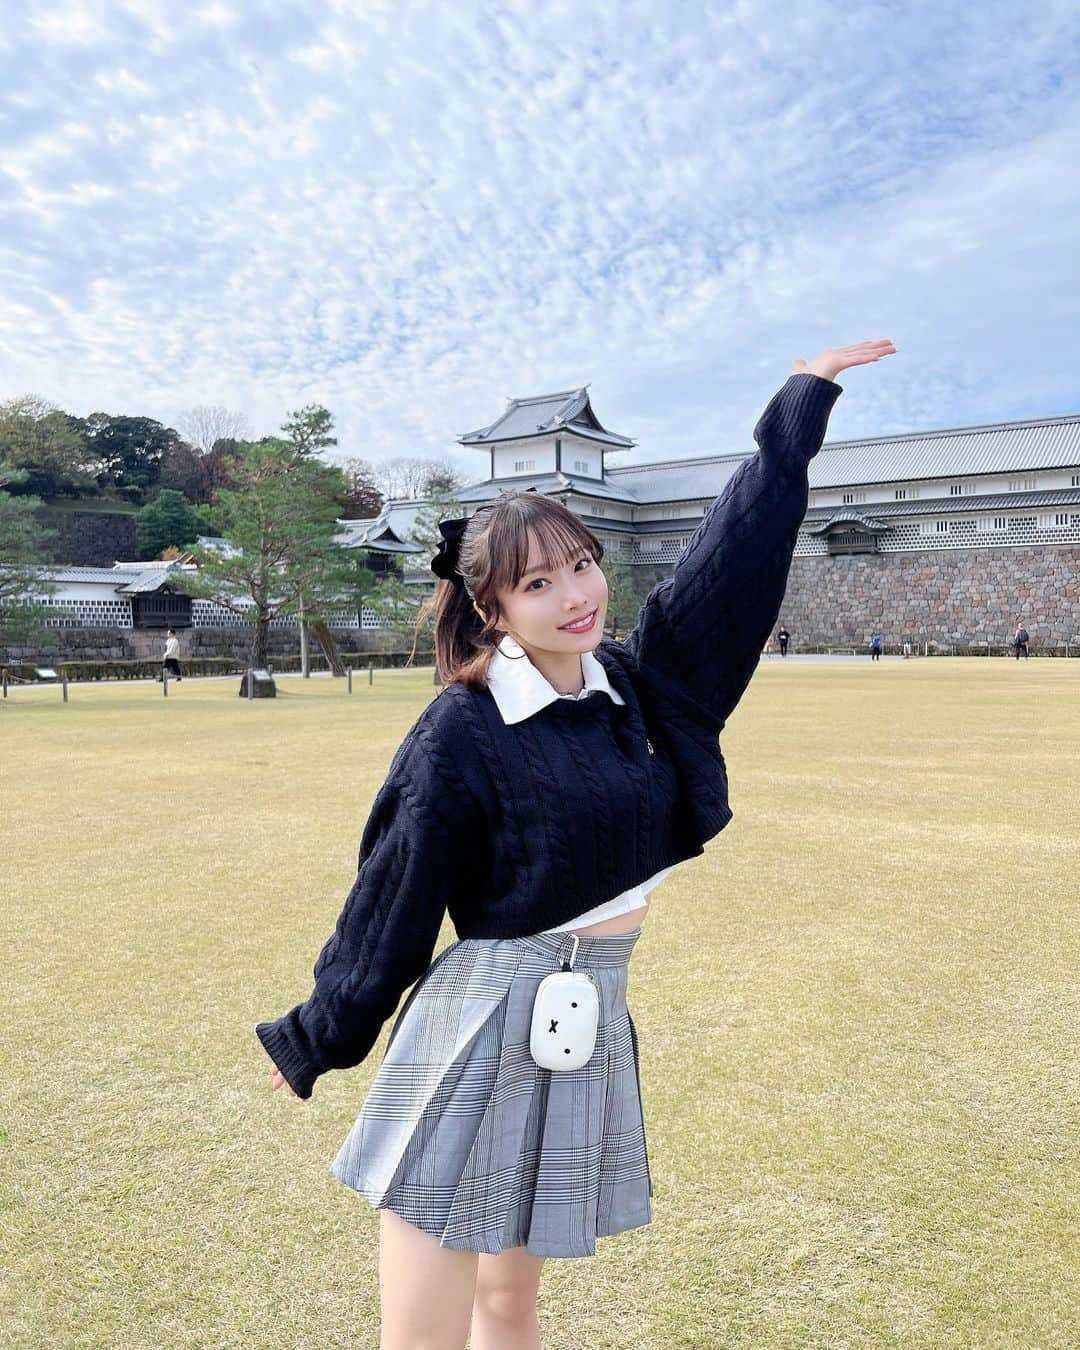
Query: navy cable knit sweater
x=516 y=828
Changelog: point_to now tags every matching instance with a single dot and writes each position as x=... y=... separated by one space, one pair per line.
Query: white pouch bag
x=566 y=1014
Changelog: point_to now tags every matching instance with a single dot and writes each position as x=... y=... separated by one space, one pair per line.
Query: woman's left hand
x=278 y=1079
x=829 y=364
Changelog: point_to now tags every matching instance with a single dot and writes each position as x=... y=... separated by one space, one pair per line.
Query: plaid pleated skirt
x=465 y=1136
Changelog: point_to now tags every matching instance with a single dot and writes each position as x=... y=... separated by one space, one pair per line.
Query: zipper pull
x=649 y=744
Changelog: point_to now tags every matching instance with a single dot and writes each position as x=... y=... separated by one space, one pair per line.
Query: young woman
x=557 y=778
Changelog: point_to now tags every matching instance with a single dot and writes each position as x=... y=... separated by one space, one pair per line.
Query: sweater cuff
x=297 y=1071
x=802 y=408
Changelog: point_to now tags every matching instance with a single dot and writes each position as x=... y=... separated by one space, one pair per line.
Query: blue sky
x=411 y=212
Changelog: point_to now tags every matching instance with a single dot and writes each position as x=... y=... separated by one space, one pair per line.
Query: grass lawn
x=859 y=1018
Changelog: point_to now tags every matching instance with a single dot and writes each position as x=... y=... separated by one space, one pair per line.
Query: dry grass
x=858 y=1014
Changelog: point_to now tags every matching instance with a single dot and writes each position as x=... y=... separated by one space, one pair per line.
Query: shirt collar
x=520 y=690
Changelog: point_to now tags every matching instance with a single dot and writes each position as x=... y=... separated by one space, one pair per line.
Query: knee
x=507 y=1305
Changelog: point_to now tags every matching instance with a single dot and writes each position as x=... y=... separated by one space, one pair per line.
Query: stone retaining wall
x=939 y=596
x=944 y=596
x=88 y=538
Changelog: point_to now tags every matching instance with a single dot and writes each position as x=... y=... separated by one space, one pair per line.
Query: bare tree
x=444 y=476
x=409 y=477
x=208 y=423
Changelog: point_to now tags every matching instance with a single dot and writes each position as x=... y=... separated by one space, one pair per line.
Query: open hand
x=829 y=364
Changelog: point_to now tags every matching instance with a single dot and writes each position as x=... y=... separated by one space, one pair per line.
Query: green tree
x=127 y=452
x=167 y=520
x=309 y=429
x=48 y=446
x=623 y=602
x=279 y=525
x=401 y=605
x=441 y=505
x=23 y=564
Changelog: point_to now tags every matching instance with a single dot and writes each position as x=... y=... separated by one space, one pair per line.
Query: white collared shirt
x=520 y=691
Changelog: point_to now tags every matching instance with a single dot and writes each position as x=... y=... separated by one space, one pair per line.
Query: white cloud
x=410 y=213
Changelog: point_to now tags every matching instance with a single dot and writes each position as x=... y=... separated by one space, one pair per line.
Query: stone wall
x=88 y=538
x=946 y=596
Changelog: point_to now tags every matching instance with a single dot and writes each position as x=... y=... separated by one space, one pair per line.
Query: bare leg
x=426 y=1291
x=504 y=1311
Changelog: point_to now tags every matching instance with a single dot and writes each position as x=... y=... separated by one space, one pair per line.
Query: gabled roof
x=147 y=581
x=388 y=532
x=125 y=578
x=550 y=484
x=569 y=411
x=847 y=517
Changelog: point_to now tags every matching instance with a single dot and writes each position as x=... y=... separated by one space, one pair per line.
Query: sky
x=412 y=212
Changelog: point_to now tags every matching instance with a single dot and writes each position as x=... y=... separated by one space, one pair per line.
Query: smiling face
x=545 y=598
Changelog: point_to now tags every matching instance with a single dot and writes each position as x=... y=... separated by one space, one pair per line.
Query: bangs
x=558 y=539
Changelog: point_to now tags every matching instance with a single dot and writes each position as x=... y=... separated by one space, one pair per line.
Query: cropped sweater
x=520 y=691
x=513 y=828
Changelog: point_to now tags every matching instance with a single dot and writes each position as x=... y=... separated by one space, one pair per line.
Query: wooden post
x=370 y=673
x=250 y=684
x=63 y=681
x=349 y=673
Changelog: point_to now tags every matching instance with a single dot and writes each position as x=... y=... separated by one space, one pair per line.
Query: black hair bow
x=445 y=562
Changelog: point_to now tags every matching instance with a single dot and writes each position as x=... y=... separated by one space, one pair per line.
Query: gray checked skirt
x=465 y=1136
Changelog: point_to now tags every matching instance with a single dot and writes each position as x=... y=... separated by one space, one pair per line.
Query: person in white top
x=171 y=659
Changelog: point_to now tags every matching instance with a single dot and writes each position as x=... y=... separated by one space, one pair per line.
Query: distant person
x=875 y=647
x=171 y=660
x=768 y=645
x=1020 y=640
x=907 y=651
x=782 y=637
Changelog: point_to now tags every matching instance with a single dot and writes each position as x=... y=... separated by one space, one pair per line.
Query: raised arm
x=387 y=930
x=703 y=627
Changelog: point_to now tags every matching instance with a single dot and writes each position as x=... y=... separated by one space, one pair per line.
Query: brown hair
x=494 y=555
